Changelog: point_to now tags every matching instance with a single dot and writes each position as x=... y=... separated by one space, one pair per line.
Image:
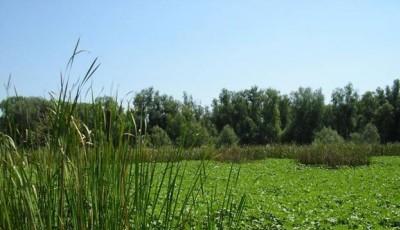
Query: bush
x=327 y=136
x=356 y=138
x=227 y=137
x=370 y=134
x=194 y=135
x=158 y=137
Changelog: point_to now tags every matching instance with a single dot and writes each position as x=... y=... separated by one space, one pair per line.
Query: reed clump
x=105 y=177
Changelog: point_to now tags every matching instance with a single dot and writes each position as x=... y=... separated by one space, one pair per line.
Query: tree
x=307 y=110
x=344 y=108
x=370 y=134
x=193 y=135
x=227 y=137
x=384 y=121
x=149 y=103
x=393 y=97
x=270 y=121
x=356 y=138
x=159 y=137
x=223 y=109
x=284 y=112
x=25 y=119
x=367 y=108
x=254 y=114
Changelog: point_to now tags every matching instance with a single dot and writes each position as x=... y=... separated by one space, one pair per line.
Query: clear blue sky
x=202 y=46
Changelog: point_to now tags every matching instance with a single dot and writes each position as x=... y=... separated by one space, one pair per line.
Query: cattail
x=108 y=124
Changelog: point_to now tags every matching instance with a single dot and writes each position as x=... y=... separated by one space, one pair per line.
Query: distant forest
x=256 y=116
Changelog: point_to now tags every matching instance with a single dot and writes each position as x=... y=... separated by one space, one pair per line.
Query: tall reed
x=102 y=178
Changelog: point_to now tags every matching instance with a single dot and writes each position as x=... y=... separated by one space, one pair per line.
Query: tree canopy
x=256 y=116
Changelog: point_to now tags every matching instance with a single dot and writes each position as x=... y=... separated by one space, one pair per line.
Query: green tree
x=25 y=119
x=344 y=108
x=158 y=137
x=227 y=137
x=384 y=121
x=393 y=97
x=367 y=108
x=254 y=114
x=307 y=110
x=356 y=138
x=223 y=110
x=271 y=117
x=193 y=135
x=370 y=134
x=284 y=111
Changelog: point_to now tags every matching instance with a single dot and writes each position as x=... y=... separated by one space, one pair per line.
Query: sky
x=200 y=46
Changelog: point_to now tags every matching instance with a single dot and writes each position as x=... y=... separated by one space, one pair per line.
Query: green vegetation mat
x=282 y=194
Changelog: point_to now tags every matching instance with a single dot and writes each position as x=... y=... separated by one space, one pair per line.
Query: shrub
x=370 y=134
x=194 y=135
x=159 y=137
x=227 y=137
x=327 y=136
x=356 y=138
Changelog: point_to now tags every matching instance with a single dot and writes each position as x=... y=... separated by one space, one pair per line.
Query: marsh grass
x=334 y=155
x=104 y=178
x=331 y=155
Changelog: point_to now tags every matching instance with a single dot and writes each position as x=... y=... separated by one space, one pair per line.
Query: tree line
x=253 y=116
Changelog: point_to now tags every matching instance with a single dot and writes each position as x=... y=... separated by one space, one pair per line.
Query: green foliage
x=227 y=137
x=230 y=154
x=258 y=116
x=95 y=179
x=385 y=121
x=25 y=120
x=86 y=165
x=286 y=195
x=159 y=137
x=193 y=135
x=356 y=138
x=367 y=107
x=327 y=136
x=370 y=134
x=388 y=149
x=344 y=108
x=334 y=155
x=307 y=111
